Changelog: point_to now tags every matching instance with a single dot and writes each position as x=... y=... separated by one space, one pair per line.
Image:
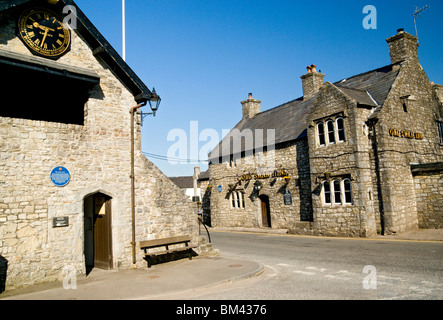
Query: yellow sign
x=275 y=173
x=405 y=134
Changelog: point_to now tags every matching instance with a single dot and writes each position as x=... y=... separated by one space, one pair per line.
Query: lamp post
x=154 y=102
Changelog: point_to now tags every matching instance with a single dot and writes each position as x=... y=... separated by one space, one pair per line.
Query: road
x=329 y=268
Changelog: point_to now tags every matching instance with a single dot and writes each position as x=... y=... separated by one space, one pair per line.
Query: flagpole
x=124 y=29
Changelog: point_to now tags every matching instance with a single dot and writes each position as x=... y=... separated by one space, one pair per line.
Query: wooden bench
x=166 y=242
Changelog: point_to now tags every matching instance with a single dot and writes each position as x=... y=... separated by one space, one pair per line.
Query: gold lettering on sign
x=406 y=134
x=275 y=173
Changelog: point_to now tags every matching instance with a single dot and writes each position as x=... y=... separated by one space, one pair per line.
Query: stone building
x=65 y=151
x=357 y=157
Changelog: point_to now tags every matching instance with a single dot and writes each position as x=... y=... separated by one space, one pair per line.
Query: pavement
x=166 y=281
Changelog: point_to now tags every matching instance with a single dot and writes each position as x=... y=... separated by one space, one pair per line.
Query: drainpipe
x=377 y=172
x=132 y=111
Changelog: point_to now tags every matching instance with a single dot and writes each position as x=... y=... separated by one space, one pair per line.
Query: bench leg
x=149 y=261
x=190 y=254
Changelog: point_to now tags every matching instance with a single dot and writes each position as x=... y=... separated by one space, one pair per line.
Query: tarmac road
x=329 y=268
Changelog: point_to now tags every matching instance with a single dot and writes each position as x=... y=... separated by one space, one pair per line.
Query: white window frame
x=337 y=191
x=347 y=191
x=237 y=200
x=318 y=134
x=338 y=129
x=330 y=133
x=329 y=192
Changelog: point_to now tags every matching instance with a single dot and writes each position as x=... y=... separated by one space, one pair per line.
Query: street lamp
x=154 y=103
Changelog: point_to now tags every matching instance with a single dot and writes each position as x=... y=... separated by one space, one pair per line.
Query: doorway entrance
x=265 y=211
x=98 y=232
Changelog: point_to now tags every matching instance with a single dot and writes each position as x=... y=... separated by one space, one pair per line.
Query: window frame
x=342 y=129
x=440 y=131
x=321 y=136
x=328 y=192
x=345 y=191
x=329 y=132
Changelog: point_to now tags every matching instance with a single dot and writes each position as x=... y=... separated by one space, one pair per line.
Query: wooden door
x=102 y=232
x=265 y=211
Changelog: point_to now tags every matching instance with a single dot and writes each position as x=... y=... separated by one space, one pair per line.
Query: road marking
x=305 y=272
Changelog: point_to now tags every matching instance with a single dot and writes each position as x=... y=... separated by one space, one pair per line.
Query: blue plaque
x=60 y=176
x=220 y=188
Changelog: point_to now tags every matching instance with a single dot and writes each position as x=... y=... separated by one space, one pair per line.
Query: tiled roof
x=290 y=120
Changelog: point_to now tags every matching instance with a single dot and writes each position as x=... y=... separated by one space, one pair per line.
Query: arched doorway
x=98 y=231
x=265 y=211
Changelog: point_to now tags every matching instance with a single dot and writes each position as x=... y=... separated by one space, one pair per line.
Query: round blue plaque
x=220 y=188
x=60 y=176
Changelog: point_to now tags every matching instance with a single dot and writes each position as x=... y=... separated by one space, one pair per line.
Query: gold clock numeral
x=31 y=34
x=37 y=42
x=59 y=42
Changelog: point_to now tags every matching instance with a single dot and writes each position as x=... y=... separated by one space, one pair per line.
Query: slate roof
x=290 y=120
x=183 y=182
x=99 y=45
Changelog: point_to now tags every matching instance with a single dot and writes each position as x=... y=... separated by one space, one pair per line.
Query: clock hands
x=45 y=29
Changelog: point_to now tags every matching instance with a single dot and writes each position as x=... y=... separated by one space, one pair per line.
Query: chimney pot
x=250 y=96
x=314 y=68
x=400 y=30
x=309 y=69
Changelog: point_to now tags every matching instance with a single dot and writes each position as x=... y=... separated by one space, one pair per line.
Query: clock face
x=43 y=32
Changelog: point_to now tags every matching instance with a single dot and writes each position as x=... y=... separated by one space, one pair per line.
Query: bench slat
x=163 y=242
x=169 y=251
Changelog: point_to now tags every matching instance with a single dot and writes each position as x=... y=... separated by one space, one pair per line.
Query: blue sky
x=204 y=57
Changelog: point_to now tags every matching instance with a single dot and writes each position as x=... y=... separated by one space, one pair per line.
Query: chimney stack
x=251 y=107
x=312 y=82
x=403 y=46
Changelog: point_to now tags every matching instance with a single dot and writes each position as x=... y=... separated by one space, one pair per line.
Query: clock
x=44 y=33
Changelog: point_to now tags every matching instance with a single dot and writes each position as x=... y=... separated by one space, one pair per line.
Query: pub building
x=76 y=192
x=357 y=157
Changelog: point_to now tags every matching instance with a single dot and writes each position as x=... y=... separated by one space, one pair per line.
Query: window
x=237 y=199
x=337 y=191
x=440 y=130
x=331 y=131
x=327 y=192
x=321 y=134
x=341 y=130
x=347 y=191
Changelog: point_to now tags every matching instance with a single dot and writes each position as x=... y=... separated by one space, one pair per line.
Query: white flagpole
x=124 y=29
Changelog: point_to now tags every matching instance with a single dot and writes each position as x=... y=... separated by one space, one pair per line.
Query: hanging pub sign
x=287 y=197
x=60 y=176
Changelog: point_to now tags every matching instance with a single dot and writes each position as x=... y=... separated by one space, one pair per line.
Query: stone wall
x=429 y=197
x=97 y=154
x=293 y=159
x=410 y=108
x=347 y=159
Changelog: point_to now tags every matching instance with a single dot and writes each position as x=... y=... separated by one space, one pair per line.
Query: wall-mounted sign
x=287 y=197
x=405 y=134
x=60 y=222
x=60 y=176
x=220 y=188
x=273 y=174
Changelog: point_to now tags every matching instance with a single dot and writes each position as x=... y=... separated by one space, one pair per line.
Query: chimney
x=403 y=46
x=251 y=107
x=195 y=182
x=312 y=82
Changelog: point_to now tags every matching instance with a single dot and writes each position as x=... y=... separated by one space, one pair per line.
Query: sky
x=205 y=57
